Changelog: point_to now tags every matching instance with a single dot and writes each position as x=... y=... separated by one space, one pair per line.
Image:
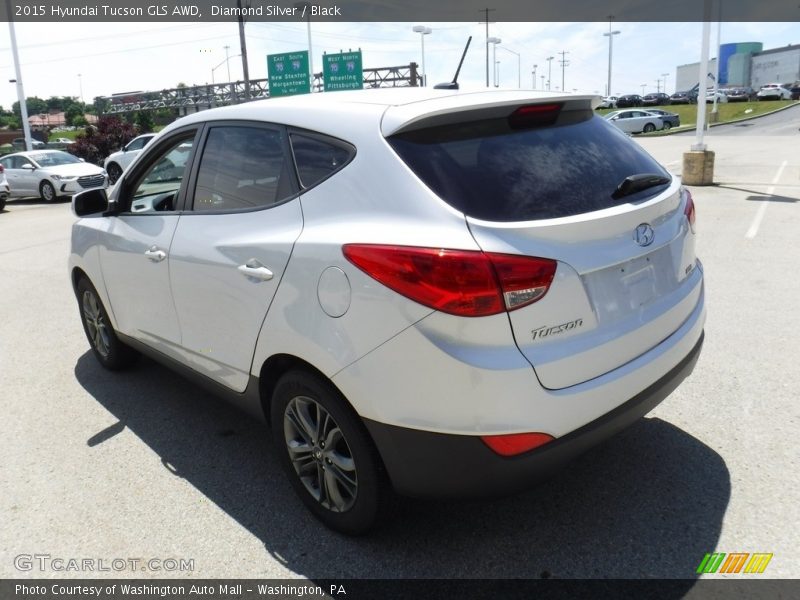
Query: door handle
x=253 y=268
x=154 y=254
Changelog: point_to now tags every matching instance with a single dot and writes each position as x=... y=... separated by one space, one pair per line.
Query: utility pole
x=243 y=43
x=549 y=60
x=486 y=12
x=534 y=76
x=23 y=105
x=564 y=64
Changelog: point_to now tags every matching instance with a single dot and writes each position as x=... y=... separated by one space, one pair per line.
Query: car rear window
x=492 y=171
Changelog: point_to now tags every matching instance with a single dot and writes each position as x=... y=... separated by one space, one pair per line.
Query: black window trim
x=203 y=140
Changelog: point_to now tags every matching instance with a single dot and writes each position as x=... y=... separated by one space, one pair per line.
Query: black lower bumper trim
x=423 y=463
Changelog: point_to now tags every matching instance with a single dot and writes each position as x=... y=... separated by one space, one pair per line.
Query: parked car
x=722 y=98
x=740 y=94
x=117 y=162
x=18 y=144
x=50 y=174
x=795 y=90
x=669 y=119
x=5 y=190
x=482 y=319
x=635 y=121
x=774 y=91
x=687 y=97
x=656 y=99
x=608 y=102
x=629 y=100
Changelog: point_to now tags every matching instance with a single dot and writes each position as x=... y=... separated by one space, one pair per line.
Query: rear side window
x=490 y=171
x=318 y=157
x=242 y=168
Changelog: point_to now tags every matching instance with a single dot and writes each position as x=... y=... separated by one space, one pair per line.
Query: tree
x=97 y=142
x=72 y=113
x=144 y=121
x=34 y=105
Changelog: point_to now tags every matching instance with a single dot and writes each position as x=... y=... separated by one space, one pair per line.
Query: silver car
x=441 y=292
x=50 y=174
x=5 y=190
x=635 y=121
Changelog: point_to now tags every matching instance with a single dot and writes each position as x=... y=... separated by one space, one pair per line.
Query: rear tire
x=106 y=346
x=667 y=125
x=326 y=452
x=649 y=128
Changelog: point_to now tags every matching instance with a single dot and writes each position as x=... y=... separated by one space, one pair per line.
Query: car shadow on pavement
x=757 y=196
x=647 y=503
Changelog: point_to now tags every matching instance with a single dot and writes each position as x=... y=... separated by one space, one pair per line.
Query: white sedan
x=635 y=121
x=774 y=91
x=50 y=174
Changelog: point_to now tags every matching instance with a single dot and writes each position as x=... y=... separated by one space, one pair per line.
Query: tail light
x=2 y=168
x=689 y=209
x=466 y=283
x=516 y=443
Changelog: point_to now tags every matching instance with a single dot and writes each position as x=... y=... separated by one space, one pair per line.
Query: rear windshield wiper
x=637 y=183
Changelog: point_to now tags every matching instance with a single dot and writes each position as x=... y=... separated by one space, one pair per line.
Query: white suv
x=455 y=292
x=117 y=162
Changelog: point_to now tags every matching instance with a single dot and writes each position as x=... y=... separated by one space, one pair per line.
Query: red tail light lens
x=689 y=209
x=2 y=168
x=459 y=282
x=516 y=443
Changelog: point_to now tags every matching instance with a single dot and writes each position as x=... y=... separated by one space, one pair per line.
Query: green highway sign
x=342 y=71
x=288 y=74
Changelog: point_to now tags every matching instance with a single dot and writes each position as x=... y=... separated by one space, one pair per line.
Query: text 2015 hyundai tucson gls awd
x=455 y=292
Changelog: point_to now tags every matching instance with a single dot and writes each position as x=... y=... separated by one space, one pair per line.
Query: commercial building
x=746 y=64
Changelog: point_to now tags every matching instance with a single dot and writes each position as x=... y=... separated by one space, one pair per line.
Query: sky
x=99 y=59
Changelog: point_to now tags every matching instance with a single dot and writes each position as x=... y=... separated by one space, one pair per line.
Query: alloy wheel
x=320 y=454
x=96 y=324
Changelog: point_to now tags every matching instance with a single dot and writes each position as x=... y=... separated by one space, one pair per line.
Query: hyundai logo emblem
x=644 y=234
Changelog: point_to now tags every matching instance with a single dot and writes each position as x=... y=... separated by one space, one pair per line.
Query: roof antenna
x=453 y=85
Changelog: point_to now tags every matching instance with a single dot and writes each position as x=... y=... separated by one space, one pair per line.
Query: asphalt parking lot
x=145 y=465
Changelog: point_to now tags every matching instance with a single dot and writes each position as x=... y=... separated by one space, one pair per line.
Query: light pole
x=549 y=70
x=80 y=86
x=644 y=85
x=227 y=58
x=423 y=31
x=610 y=35
x=305 y=7
x=665 y=75
x=534 y=75
x=519 y=66
x=494 y=41
x=224 y=62
x=542 y=82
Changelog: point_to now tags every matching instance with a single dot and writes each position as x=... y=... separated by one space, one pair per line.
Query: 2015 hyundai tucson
x=453 y=291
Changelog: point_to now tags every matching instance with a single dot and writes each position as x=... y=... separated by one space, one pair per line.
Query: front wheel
x=649 y=127
x=326 y=452
x=114 y=172
x=46 y=191
x=106 y=346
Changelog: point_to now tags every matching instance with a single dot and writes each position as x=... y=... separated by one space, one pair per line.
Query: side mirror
x=28 y=167
x=90 y=202
x=82 y=159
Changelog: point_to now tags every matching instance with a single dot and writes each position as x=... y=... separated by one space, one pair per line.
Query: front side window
x=243 y=168
x=156 y=190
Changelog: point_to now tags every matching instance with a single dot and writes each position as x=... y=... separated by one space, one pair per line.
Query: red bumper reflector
x=515 y=443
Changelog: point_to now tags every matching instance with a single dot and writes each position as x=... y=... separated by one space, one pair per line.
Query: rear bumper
x=422 y=463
